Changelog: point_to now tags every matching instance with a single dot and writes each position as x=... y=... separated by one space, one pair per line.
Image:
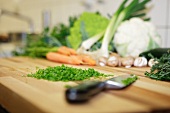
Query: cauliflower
x=135 y=36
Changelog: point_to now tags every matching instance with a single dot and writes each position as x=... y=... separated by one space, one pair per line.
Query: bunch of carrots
x=69 y=56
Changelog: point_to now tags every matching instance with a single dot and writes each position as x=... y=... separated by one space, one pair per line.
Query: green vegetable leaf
x=83 y=31
x=94 y=24
x=152 y=44
x=38 y=45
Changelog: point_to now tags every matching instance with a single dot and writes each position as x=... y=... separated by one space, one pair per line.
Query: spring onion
x=124 y=12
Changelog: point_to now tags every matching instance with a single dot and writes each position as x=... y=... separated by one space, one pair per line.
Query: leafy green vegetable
x=160 y=70
x=48 y=40
x=65 y=73
x=39 y=51
x=93 y=24
x=152 y=44
x=83 y=31
x=38 y=46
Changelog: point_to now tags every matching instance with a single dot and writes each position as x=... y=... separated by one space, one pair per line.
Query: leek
x=124 y=12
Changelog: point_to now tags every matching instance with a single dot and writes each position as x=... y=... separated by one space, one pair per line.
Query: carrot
x=57 y=57
x=72 y=51
x=66 y=51
x=63 y=51
x=87 y=60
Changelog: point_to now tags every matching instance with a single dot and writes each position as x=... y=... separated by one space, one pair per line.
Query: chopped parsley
x=130 y=80
x=66 y=73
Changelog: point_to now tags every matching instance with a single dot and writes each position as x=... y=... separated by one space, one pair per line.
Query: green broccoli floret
x=89 y=24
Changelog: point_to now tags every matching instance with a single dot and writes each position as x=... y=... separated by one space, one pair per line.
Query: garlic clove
x=152 y=62
x=102 y=61
x=140 y=62
x=127 y=61
x=113 y=61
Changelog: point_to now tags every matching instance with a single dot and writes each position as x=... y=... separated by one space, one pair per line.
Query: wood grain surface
x=21 y=94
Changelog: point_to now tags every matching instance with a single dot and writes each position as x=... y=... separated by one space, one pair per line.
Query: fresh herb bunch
x=161 y=70
x=61 y=31
x=37 y=45
x=65 y=73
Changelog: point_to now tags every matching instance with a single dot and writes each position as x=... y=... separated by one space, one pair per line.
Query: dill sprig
x=65 y=73
x=160 y=70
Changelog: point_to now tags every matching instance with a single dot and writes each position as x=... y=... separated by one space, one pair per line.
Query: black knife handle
x=84 y=91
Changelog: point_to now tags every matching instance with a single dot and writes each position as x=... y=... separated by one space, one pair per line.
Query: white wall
x=62 y=9
x=160 y=15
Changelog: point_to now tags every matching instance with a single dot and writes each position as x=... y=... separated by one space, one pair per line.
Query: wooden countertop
x=19 y=94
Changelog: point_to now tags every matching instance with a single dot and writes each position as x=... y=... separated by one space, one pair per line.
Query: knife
x=86 y=90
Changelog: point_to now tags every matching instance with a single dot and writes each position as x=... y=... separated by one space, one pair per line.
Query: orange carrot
x=72 y=51
x=63 y=51
x=87 y=60
x=57 y=57
x=66 y=50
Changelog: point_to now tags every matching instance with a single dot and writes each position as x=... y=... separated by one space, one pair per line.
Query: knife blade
x=86 y=90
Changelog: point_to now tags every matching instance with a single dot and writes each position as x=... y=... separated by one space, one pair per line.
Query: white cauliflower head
x=135 y=36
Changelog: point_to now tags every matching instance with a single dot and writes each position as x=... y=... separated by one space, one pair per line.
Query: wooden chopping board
x=22 y=94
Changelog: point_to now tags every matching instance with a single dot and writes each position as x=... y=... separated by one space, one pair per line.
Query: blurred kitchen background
x=31 y=16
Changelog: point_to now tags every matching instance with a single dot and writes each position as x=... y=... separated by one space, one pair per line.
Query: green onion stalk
x=135 y=8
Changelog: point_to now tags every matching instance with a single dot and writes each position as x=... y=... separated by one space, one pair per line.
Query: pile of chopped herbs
x=160 y=70
x=66 y=73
